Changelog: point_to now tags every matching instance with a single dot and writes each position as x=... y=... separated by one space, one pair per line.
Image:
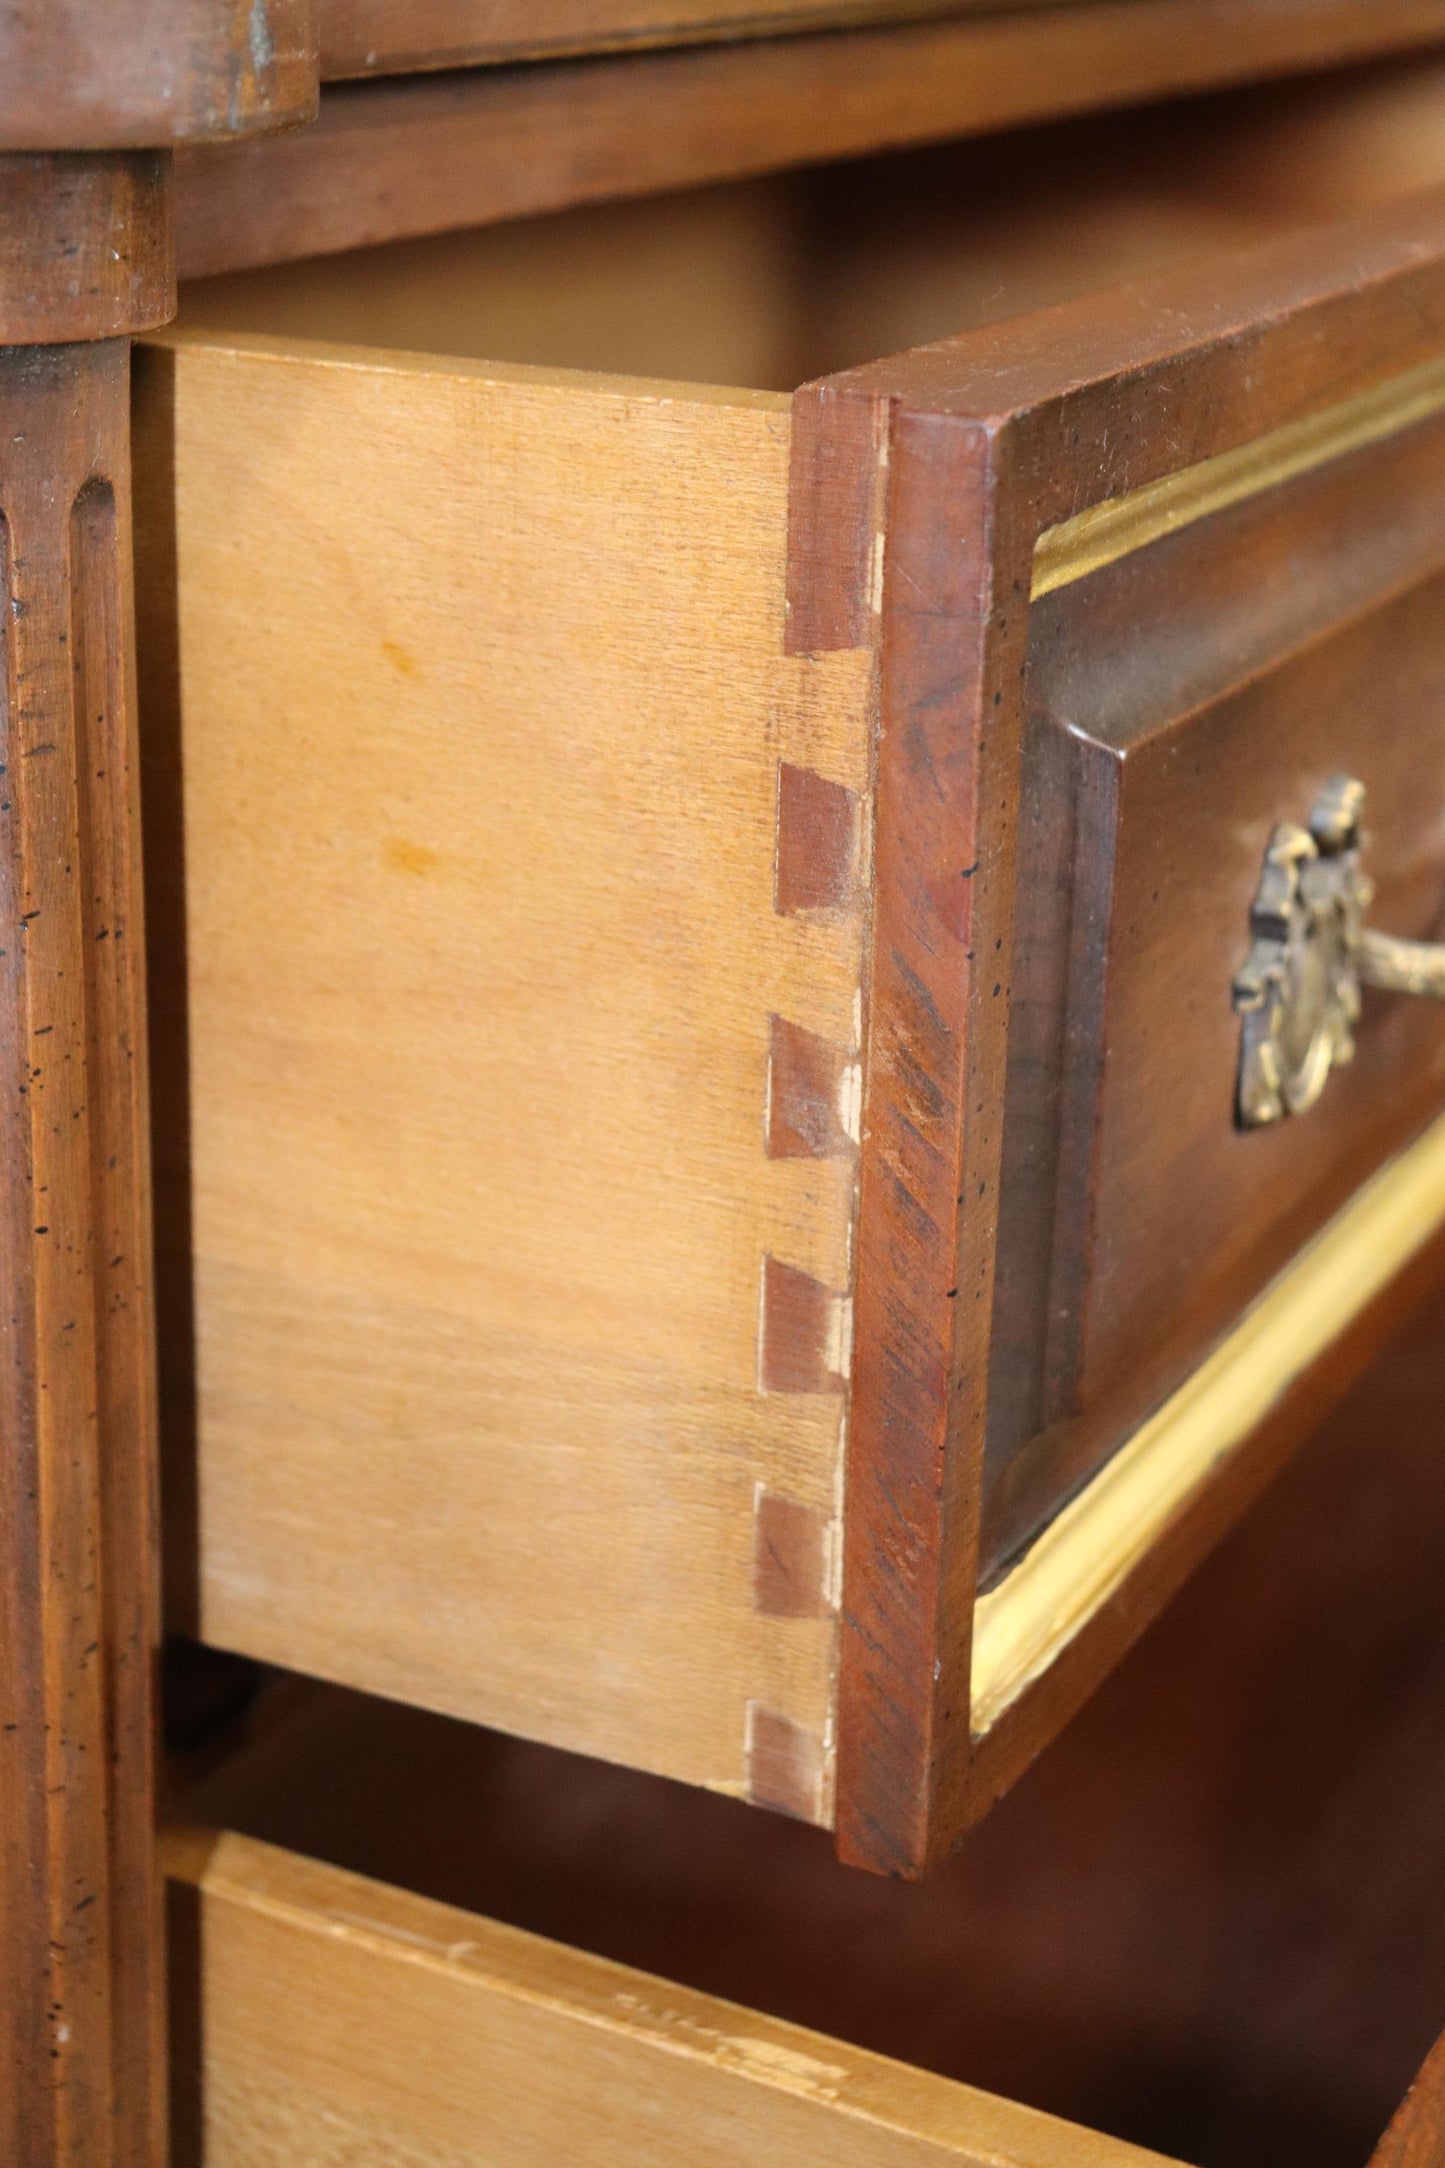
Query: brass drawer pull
x=1298 y=991
x=1402 y=967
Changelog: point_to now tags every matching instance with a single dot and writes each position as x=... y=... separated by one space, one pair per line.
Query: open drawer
x=697 y=941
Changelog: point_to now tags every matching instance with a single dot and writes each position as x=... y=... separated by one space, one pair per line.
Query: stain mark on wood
x=401 y=659
x=416 y=859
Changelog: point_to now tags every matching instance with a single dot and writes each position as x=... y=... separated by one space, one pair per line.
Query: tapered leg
x=80 y=2003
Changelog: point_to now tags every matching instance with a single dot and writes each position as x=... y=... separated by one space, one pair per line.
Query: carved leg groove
x=79 y=1921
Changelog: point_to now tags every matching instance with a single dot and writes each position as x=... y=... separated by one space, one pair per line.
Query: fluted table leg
x=93 y=95
x=80 y=1999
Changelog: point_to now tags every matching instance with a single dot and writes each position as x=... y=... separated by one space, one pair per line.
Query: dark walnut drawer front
x=1181 y=698
x=695 y=942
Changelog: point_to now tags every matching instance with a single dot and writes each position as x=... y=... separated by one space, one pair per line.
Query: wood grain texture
x=387 y=160
x=1020 y=427
x=87 y=249
x=80 y=2021
x=1416 y=2137
x=326 y=2013
x=94 y=75
x=473 y=1113
x=946 y=798
x=397 y=37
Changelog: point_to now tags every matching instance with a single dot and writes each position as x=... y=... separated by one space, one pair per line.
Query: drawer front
x=319 y=2016
x=1143 y=575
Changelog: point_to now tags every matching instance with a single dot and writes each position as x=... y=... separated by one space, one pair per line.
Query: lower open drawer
x=325 y=2017
x=336 y=2019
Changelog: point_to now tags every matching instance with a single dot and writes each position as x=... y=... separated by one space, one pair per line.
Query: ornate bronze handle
x=1298 y=992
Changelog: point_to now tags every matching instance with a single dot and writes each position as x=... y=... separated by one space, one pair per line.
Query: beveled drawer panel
x=1183 y=698
x=693 y=938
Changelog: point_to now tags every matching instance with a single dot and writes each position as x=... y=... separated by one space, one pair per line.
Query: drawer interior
x=1208 y=1922
x=766 y=284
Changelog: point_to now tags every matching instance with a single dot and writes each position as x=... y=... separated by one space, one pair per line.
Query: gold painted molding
x=1025 y=1623
x=1103 y=533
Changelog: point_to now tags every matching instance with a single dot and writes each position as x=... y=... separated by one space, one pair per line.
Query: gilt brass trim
x=1103 y=533
x=1024 y=1624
